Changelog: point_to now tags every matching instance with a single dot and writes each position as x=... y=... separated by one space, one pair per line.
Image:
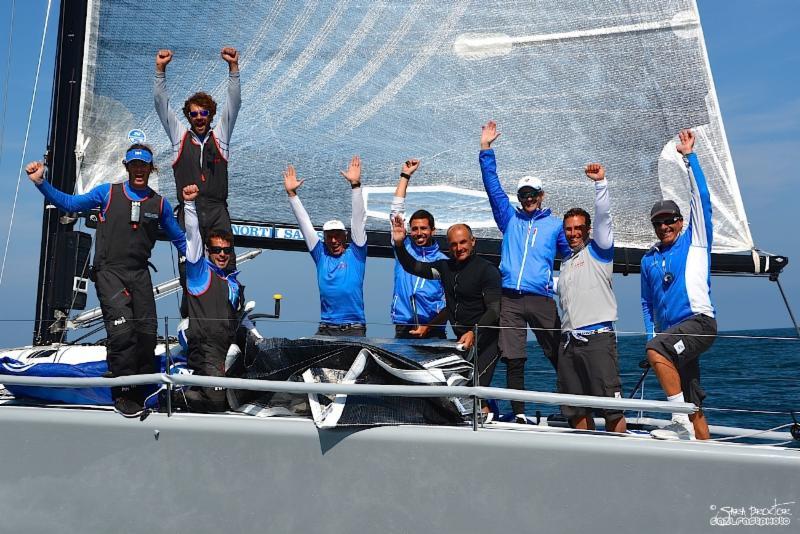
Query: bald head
x=460 y=241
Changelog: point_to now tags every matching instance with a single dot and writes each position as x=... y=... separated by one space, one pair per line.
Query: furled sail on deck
x=567 y=81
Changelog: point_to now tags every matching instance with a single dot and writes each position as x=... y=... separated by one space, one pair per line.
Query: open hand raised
x=290 y=181
x=489 y=134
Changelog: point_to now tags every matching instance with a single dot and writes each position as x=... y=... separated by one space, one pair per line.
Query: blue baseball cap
x=140 y=154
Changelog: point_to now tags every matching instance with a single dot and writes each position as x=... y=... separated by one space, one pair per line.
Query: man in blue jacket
x=676 y=297
x=531 y=238
x=130 y=215
x=416 y=302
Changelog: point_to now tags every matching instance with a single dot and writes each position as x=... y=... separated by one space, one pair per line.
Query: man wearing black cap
x=340 y=268
x=676 y=298
x=130 y=214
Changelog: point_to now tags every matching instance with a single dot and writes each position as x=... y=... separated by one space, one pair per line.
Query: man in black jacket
x=471 y=287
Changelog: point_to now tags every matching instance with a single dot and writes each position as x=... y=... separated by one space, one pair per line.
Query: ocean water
x=742 y=374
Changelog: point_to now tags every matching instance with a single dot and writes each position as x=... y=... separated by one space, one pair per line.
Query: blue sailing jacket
x=668 y=300
x=341 y=284
x=530 y=240
x=428 y=295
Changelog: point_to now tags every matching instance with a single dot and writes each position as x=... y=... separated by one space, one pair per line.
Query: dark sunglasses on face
x=202 y=113
x=528 y=195
x=668 y=222
x=217 y=250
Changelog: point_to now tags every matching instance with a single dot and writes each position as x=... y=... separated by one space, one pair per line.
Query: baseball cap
x=140 y=154
x=530 y=181
x=664 y=207
x=333 y=224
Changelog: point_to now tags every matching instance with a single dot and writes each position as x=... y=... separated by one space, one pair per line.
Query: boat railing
x=170 y=380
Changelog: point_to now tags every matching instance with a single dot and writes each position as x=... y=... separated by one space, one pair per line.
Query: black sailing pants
x=206 y=357
x=129 y=313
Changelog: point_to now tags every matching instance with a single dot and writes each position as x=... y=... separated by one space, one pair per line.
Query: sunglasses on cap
x=202 y=113
x=668 y=222
x=217 y=250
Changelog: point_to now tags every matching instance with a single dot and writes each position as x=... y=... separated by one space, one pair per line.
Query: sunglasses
x=202 y=113
x=668 y=222
x=528 y=195
x=217 y=250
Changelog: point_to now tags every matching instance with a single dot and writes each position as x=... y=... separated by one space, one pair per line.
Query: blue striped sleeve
x=95 y=198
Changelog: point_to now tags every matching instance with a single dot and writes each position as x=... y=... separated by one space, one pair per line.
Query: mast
x=56 y=231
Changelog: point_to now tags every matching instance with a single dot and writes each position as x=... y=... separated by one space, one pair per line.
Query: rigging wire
x=7 y=77
x=25 y=143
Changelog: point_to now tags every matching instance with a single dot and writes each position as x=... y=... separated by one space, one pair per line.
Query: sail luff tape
x=482 y=45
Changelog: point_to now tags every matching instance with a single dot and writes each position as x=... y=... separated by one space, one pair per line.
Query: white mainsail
x=567 y=81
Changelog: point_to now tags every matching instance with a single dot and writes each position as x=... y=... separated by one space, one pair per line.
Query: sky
x=755 y=60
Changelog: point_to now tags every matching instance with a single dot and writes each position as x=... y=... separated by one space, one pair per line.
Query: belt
x=580 y=335
x=345 y=326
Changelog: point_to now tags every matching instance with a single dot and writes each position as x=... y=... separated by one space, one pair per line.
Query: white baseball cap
x=530 y=181
x=333 y=224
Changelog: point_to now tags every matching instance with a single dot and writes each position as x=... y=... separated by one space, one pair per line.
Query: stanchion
x=169 y=364
x=475 y=381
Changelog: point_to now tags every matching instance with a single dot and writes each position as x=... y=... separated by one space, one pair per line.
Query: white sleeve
x=603 y=233
x=358 y=222
x=194 y=243
x=304 y=221
x=169 y=119
x=398 y=207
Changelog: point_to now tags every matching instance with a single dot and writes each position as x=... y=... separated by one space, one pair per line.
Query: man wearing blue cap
x=127 y=230
x=531 y=238
x=340 y=268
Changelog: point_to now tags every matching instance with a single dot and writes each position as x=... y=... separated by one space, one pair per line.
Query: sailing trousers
x=129 y=314
x=206 y=357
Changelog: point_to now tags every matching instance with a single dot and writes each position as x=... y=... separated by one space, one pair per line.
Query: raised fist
x=35 y=171
x=190 y=192
x=595 y=171
x=163 y=57
x=231 y=56
x=410 y=166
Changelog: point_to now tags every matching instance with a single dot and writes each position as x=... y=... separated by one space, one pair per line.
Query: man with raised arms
x=676 y=297
x=471 y=288
x=531 y=238
x=201 y=152
x=417 y=302
x=127 y=230
x=587 y=360
x=340 y=268
x=214 y=298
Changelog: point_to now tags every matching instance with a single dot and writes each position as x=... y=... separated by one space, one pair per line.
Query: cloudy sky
x=755 y=60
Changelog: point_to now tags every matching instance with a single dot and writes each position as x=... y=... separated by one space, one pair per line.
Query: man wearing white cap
x=127 y=230
x=340 y=268
x=531 y=238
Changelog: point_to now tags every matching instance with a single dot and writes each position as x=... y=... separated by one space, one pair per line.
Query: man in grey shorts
x=676 y=297
x=531 y=238
x=587 y=361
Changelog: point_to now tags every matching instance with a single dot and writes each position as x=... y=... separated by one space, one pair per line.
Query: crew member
x=417 y=303
x=587 y=360
x=130 y=214
x=531 y=238
x=340 y=268
x=471 y=288
x=214 y=299
x=676 y=297
x=201 y=152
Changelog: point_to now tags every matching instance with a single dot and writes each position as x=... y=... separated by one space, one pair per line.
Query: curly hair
x=203 y=100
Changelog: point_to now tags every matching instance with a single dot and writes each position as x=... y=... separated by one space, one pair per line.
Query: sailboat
x=385 y=79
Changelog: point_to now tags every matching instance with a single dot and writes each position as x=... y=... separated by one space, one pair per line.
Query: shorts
x=589 y=368
x=683 y=344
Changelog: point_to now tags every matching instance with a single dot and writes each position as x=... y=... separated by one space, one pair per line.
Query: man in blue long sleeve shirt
x=531 y=238
x=130 y=214
x=676 y=297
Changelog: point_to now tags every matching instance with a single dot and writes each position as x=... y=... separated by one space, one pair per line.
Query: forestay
x=567 y=81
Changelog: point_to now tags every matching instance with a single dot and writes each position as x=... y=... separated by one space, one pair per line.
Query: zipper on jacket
x=524 y=254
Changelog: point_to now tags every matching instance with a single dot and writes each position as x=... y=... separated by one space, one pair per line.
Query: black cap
x=665 y=207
